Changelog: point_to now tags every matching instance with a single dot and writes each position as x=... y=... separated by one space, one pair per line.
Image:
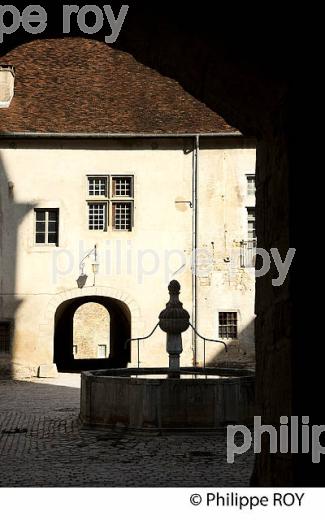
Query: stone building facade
x=106 y=194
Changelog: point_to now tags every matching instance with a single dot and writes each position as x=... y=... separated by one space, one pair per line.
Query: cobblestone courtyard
x=43 y=444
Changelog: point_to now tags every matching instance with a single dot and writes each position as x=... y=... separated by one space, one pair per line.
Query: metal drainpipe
x=194 y=241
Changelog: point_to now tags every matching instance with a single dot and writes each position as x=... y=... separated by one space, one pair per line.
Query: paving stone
x=42 y=443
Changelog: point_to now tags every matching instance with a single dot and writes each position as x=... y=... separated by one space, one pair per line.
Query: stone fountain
x=174 y=320
x=173 y=398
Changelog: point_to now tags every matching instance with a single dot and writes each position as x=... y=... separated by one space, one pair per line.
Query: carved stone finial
x=174 y=319
x=174 y=288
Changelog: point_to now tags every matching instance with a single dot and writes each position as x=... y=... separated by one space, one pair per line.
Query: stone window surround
x=251 y=218
x=111 y=200
x=47 y=222
x=42 y=204
x=237 y=311
x=100 y=215
x=250 y=176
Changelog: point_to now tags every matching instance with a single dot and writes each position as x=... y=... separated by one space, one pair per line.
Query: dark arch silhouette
x=238 y=60
x=120 y=332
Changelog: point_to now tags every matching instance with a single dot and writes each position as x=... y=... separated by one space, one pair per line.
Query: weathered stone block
x=49 y=371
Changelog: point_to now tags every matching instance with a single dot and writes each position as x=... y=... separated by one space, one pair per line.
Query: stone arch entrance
x=118 y=334
x=122 y=300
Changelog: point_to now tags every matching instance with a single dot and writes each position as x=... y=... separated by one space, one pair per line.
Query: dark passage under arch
x=119 y=333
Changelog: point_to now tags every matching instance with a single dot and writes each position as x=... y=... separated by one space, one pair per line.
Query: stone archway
x=118 y=335
x=111 y=297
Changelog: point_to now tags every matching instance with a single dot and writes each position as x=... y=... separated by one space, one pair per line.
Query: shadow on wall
x=11 y=215
x=241 y=351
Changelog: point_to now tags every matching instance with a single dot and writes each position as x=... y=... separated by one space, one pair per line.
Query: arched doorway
x=91 y=333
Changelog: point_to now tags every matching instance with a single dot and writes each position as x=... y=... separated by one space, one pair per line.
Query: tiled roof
x=77 y=85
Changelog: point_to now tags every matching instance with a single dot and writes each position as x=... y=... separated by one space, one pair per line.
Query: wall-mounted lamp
x=94 y=267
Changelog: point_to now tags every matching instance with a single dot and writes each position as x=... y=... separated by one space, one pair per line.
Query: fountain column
x=174 y=320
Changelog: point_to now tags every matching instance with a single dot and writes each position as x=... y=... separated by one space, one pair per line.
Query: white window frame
x=250 y=176
x=110 y=200
x=121 y=176
x=122 y=199
x=98 y=176
x=248 y=209
x=46 y=243
x=130 y=203
x=106 y=351
x=104 y=203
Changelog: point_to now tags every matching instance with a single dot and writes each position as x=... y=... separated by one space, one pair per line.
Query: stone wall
x=90 y=329
x=130 y=263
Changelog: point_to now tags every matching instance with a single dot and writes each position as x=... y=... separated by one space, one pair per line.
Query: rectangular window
x=97 y=216
x=47 y=226
x=251 y=228
x=248 y=253
x=122 y=187
x=118 y=204
x=102 y=351
x=228 y=325
x=251 y=189
x=122 y=216
x=97 y=186
x=4 y=337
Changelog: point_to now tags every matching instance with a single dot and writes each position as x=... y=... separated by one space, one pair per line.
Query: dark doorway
x=119 y=331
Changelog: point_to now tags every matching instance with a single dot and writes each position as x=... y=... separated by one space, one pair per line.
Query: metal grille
x=97 y=186
x=4 y=337
x=122 y=187
x=122 y=216
x=251 y=185
x=97 y=216
x=47 y=226
x=251 y=227
x=228 y=325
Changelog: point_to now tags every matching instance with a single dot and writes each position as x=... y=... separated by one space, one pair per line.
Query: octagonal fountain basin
x=147 y=399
